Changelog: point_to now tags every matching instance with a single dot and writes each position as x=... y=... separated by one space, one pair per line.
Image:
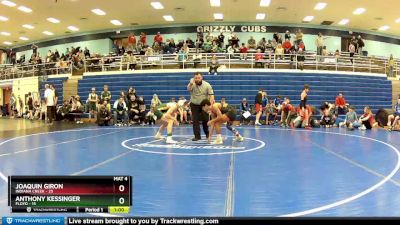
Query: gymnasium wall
x=23 y=86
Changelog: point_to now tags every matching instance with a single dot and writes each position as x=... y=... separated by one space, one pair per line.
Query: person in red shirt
x=259 y=57
x=143 y=39
x=340 y=103
x=287 y=46
x=132 y=40
x=243 y=52
x=158 y=38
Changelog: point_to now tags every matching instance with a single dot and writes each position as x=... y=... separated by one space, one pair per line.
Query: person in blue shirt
x=395 y=117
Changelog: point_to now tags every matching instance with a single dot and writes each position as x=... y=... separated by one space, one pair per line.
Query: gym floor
x=274 y=172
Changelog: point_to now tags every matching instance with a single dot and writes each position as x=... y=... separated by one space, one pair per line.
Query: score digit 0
x=121 y=201
x=121 y=188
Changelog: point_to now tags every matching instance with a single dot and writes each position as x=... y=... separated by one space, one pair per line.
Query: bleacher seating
x=358 y=90
x=58 y=84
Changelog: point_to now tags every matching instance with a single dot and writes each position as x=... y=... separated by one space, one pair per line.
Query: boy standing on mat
x=167 y=115
x=220 y=115
x=303 y=103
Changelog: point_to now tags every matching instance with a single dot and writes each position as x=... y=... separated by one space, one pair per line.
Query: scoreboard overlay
x=75 y=194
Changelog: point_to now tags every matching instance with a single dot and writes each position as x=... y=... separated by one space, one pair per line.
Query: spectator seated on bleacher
x=103 y=116
x=196 y=58
x=245 y=112
x=287 y=46
x=367 y=120
x=181 y=57
x=151 y=117
x=120 y=112
x=214 y=65
x=340 y=104
x=243 y=52
x=327 y=118
x=77 y=109
x=251 y=43
x=63 y=111
x=279 y=52
x=259 y=59
x=300 y=59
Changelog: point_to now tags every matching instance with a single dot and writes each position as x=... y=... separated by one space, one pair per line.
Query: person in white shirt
x=50 y=97
x=120 y=110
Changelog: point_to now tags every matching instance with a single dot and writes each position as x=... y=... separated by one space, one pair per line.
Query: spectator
x=299 y=36
x=327 y=119
x=105 y=95
x=395 y=117
x=197 y=58
x=132 y=40
x=92 y=101
x=21 y=106
x=221 y=40
x=214 y=65
x=158 y=38
x=199 y=41
x=190 y=43
x=30 y=106
x=259 y=59
x=103 y=116
x=131 y=91
x=157 y=48
x=270 y=110
x=181 y=57
x=133 y=109
x=214 y=47
x=354 y=42
x=155 y=101
x=288 y=114
x=352 y=50
x=258 y=106
x=360 y=45
x=391 y=65
x=300 y=59
x=37 y=109
x=151 y=117
x=245 y=111
x=143 y=39
x=251 y=43
x=86 y=53
x=243 y=52
x=262 y=44
x=120 y=111
x=43 y=111
x=367 y=120
x=132 y=61
x=77 y=109
x=63 y=111
x=351 y=120
x=224 y=103
x=340 y=104
x=183 y=113
x=287 y=35
x=234 y=40
x=319 y=42
x=209 y=37
x=279 y=52
x=287 y=46
x=50 y=103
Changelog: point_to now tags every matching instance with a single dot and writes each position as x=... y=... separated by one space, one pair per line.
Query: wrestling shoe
x=158 y=136
x=217 y=141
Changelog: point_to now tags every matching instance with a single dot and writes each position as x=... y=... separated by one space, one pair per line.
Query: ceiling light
x=168 y=18
x=215 y=3
x=47 y=33
x=25 y=9
x=7 y=43
x=398 y=20
x=218 y=16
x=53 y=20
x=116 y=22
x=3 y=18
x=308 y=18
x=73 y=28
x=359 y=11
x=28 y=26
x=24 y=38
x=5 y=33
x=383 y=28
x=344 y=21
x=98 y=12
x=265 y=3
x=157 y=5
x=260 y=16
x=8 y=3
x=320 y=6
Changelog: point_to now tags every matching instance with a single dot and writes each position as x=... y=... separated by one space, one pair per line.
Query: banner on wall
x=232 y=28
